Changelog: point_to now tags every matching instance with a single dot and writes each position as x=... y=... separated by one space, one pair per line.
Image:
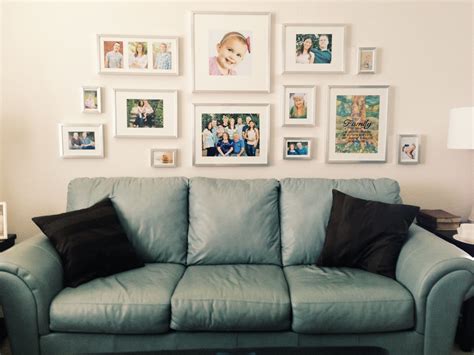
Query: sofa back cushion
x=305 y=206
x=152 y=211
x=233 y=222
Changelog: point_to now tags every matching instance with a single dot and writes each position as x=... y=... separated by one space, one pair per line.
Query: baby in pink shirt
x=231 y=50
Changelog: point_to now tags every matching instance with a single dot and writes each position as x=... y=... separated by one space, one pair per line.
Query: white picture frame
x=91 y=100
x=357 y=123
x=366 y=60
x=163 y=158
x=297 y=148
x=409 y=149
x=292 y=97
x=325 y=54
x=81 y=140
x=145 y=113
x=160 y=54
x=209 y=127
x=3 y=221
x=243 y=67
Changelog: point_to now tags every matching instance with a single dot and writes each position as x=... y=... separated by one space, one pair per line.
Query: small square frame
x=408 y=154
x=307 y=156
x=157 y=163
x=366 y=67
x=97 y=90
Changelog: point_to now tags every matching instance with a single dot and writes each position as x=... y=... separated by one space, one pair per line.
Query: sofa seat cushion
x=345 y=300
x=231 y=298
x=132 y=302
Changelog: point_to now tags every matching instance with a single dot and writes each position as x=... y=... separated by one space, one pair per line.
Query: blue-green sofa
x=230 y=264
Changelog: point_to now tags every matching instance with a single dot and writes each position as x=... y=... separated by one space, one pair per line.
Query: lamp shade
x=461 y=128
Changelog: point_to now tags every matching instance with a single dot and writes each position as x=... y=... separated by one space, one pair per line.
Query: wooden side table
x=4 y=245
x=464 y=336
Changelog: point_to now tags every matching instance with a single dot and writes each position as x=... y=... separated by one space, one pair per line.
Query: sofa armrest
x=31 y=275
x=439 y=276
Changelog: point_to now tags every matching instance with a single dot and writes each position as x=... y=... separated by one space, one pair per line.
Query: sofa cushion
x=366 y=234
x=233 y=222
x=157 y=230
x=231 y=298
x=132 y=302
x=305 y=206
x=344 y=300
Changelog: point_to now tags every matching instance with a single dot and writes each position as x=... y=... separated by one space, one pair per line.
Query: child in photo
x=298 y=109
x=89 y=102
x=409 y=151
x=163 y=58
x=231 y=51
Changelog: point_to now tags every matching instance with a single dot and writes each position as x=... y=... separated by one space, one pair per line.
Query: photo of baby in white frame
x=231 y=51
x=408 y=149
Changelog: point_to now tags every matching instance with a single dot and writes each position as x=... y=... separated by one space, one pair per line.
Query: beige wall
x=50 y=52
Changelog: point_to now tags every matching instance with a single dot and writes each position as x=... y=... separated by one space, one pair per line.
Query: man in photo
x=322 y=54
x=163 y=58
x=114 y=59
x=300 y=149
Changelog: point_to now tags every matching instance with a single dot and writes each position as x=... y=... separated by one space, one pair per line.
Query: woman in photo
x=298 y=109
x=89 y=102
x=304 y=54
x=225 y=146
x=252 y=139
x=139 y=59
x=208 y=143
x=75 y=142
x=292 y=150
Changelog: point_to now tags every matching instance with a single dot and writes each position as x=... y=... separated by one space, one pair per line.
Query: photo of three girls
x=226 y=135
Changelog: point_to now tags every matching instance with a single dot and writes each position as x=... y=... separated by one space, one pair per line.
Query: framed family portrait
x=231 y=51
x=231 y=134
x=357 y=125
x=408 y=149
x=163 y=158
x=138 y=54
x=146 y=113
x=81 y=140
x=295 y=148
x=366 y=60
x=299 y=105
x=3 y=221
x=91 y=99
x=309 y=48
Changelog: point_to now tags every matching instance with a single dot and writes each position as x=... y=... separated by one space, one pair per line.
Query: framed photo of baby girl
x=299 y=105
x=231 y=134
x=146 y=113
x=309 y=48
x=231 y=51
x=129 y=54
x=408 y=149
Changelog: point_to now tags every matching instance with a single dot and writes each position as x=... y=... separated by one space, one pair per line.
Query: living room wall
x=49 y=52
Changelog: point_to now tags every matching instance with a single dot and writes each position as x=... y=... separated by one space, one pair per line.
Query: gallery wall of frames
x=230 y=53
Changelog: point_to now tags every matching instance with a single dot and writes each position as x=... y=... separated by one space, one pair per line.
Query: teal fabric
x=133 y=302
x=305 y=206
x=36 y=264
x=396 y=343
x=233 y=222
x=153 y=212
x=231 y=298
x=424 y=260
x=344 y=300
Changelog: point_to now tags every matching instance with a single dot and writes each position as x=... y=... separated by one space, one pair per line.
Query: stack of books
x=438 y=220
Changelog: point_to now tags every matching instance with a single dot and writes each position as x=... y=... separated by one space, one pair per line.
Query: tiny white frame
x=413 y=155
x=287 y=140
x=150 y=41
x=155 y=162
x=98 y=97
x=3 y=221
x=310 y=90
x=65 y=149
x=372 y=66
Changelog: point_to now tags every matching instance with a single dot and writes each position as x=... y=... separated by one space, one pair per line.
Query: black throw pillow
x=365 y=234
x=91 y=243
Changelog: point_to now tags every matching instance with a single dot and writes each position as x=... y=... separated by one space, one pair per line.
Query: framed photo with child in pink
x=231 y=51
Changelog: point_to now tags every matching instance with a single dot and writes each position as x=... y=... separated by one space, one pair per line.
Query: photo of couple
x=313 y=49
x=225 y=135
x=297 y=148
x=81 y=140
x=144 y=113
